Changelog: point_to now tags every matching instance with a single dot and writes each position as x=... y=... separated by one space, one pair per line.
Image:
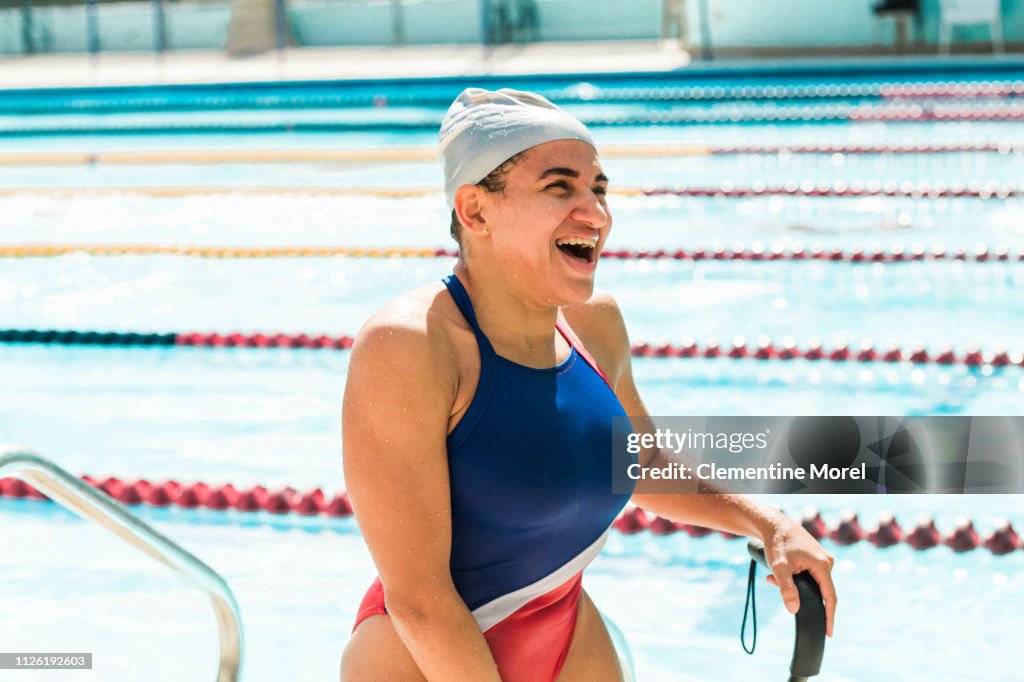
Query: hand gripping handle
x=809 y=646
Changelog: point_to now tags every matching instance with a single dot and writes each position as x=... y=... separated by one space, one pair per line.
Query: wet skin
x=528 y=252
x=377 y=653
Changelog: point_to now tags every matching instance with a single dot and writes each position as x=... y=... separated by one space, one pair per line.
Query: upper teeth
x=577 y=241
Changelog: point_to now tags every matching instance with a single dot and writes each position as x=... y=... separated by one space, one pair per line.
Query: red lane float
x=897 y=253
x=848 y=532
x=925 y=535
x=856 y=188
x=940 y=112
x=788 y=350
x=1003 y=539
x=661 y=526
x=284 y=500
x=964 y=538
x=890 y=110
x=867 y=148
x=816 y=91
x=952 y=89
x=764 y=349
x=632 y=520
x=887 y=533
x=236 y=340
x=814 y=524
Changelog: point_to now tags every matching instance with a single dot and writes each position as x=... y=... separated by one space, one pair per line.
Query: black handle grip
x=809 y=645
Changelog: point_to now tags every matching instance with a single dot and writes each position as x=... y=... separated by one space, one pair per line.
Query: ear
x=469 y=208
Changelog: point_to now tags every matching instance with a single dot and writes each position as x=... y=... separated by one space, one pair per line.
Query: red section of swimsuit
x=531 y=644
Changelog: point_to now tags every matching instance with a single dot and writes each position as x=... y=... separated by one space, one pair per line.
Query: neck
x=508 y=316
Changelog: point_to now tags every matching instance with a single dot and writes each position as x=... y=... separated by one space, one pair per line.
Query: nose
x=592 y=211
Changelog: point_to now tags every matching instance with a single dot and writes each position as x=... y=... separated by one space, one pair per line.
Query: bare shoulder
x=419 y=321
x=601 y=328
x=408 y=338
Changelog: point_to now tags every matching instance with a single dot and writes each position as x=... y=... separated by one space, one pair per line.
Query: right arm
x=401 y=386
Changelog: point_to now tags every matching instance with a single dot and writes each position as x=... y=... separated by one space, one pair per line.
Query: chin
x=577 y=293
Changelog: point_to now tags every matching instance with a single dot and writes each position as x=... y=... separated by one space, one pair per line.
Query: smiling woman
x=550 y=219
x=477 y=424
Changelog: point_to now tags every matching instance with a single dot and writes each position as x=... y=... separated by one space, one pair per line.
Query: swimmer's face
x=552 y=220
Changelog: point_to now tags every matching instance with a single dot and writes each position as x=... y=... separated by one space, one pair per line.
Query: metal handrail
x=93 y=505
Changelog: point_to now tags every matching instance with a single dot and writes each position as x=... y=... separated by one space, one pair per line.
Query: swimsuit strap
x=569 y=335
x=461 y=298
x=488 y=366
x=465 y=305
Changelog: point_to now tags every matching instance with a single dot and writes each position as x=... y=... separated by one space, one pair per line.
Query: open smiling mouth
x=576 y=247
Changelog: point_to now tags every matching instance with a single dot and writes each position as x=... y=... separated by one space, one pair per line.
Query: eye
x=559 y=184
x=601 y=190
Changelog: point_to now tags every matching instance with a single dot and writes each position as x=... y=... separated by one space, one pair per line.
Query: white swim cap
x=483 y=129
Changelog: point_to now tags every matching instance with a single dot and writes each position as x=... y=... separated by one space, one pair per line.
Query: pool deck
x=353 y=63
x=76 y=70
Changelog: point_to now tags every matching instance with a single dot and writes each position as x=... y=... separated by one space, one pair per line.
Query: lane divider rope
x=728 y=190
x=429 y=154
x=739 y=348
x=905 y=112
x=887 y=533
x=378 y=155
x=197 y=251
x=183 y=191
x=898 y=253
x=326 y=95
x=895 y=111
x=952 y=89
x=288 y=500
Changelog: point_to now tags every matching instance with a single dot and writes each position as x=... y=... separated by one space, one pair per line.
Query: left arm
x=789 y=548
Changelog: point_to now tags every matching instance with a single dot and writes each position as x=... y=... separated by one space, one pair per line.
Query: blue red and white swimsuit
x=530 y=464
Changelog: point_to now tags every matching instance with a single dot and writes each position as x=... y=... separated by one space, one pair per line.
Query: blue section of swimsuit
x=531 y=469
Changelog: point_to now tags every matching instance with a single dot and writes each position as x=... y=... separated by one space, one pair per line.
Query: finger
x=771 y=579
x=784 y=579
x=828 y=594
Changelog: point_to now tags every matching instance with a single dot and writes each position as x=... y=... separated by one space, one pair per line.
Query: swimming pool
x=270 y=416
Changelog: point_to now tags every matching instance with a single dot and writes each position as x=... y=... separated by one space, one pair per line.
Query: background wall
x=806 y=23
x=61 y=25
x=123 y=26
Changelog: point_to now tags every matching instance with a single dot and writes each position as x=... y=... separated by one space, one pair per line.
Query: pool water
x=271 y=416
x=903 y=615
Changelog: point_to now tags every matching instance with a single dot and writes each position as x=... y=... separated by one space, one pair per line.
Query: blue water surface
x=272 y=416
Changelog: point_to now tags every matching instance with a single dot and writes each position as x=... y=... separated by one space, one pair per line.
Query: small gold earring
x=485 y=230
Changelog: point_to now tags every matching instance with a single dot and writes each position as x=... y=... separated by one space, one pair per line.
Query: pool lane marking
x=284 y=501
x=339 y=156
x=586 y=94
x=892 y=110
x=728 y=189
x=898 y=253
x=863 y=351
x=198 y=251
x=429 y=154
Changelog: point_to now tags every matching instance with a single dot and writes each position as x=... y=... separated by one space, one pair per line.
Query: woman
x=477 y=424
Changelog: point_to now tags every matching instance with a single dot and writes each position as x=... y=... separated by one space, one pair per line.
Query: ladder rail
x=97 y=507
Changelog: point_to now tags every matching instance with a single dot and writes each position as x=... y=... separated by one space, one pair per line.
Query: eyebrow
x=570 y=173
